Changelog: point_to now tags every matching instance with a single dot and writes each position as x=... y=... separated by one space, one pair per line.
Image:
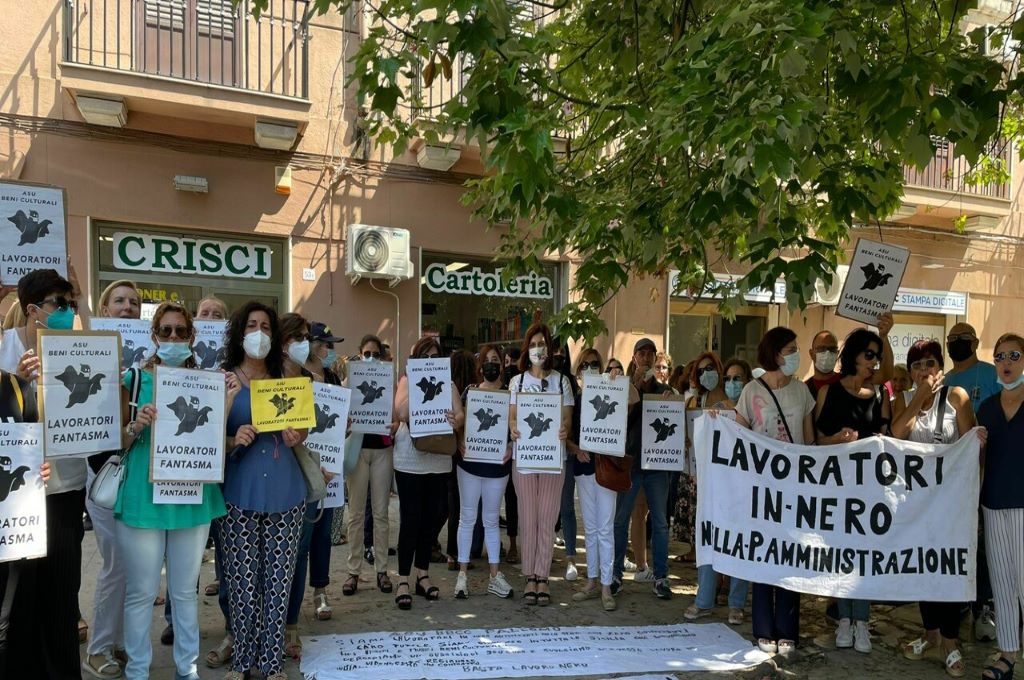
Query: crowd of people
x=266 y=536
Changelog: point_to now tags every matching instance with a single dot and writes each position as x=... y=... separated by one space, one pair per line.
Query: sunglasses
x=923 y=363
x=707 y=369
x=167 y=332
x=871 y=355
x=613 y=367
x=1012 y=355
x=61 y=303
x=587 y=365
x=735 y=378
x=961 y=336
x=371 y=355
x=430 y=356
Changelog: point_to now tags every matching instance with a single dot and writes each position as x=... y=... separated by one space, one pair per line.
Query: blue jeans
x=143 y=552
x=314 y=551
x=855 y=610
x=568 y=515
x=655 y=484
x=707 y=587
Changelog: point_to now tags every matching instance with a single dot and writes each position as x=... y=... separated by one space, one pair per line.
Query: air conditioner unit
x=827 y=294
x=377 y=253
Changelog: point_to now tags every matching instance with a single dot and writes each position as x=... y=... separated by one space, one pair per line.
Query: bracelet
x=130 y=429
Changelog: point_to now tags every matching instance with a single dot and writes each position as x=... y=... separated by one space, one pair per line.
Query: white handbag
x=105 y=487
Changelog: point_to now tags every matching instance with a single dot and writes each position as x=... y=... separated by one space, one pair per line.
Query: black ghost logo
x=325 y=420
x=30 y=227
x=131 y=355
x=190 y=415
x=487 y=419
x=81 y=384
x=604 y=407
x=283 y=403
x=208 y=354
x=430 y=388
x=371 y=392
x=10 y=480
x=538 y=424
x=663 y=428
x=873 y=278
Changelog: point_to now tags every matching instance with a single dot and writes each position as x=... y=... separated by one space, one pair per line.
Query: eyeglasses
x=61 y=303
x=167 y=332
x=662 y=367
x=871 y=355
x=587 y=365
x=1012 y=355
x=735 y=378
x=371 y=355
x=961 y=336
x=922 y=364
x=706 y=369
x=430 y=356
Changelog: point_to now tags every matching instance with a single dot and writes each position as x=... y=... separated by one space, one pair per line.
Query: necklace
x=249 y=378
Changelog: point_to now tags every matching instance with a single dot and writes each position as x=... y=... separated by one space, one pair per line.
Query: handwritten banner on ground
x=188 y=435
x=278 y=404
x=80 y=392
x=857 y=520
x=22 y=494
x=430 y=396
x=178 y=493
x=539 y=418
x=603 y=418
x=327 y=437
x=208 y=347
x=486 y=425
x=32 y=230
x=136 y=338
x=663 y=439
x=527 y=652
x=873 y=282
x=373 y=395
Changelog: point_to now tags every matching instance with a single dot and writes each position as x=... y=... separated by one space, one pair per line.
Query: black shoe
x=368 y=555
x=662 y=590
x=167 y=637
x=616 y=586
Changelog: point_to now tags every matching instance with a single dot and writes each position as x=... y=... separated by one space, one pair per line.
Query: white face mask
x=299 y=351
x=825 y=361
x=537 y=356
x=256 y=344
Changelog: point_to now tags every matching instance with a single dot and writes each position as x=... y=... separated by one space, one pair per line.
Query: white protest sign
x=80 y=392
x=373 y=396
x=691 y=416
x=208 y=347
x=32 y=231
x=188 y=435
x=430 y=396
x=663 y=438
x=335 y=493
x=486 y=425
x=604 y=404
x=22 y=494
x=528 y=652
x=539 y=418
x=874 y=279
x=327 y=438
x=178 y=493
x=854 y=520
x=136 y=338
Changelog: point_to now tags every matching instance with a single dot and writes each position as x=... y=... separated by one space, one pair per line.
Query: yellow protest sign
x=280 y=404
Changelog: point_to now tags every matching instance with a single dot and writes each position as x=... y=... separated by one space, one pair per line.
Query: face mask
x=60 y=320
x=1012 y=385
x=537 y=356
x=733 y=389
x=256 y=344
x=557 y=362
x=299 y=351
x=649 y=374
x=491 y=371
x=709 y=380
x=790 y=363
x=960 y=350
x=173 y=353
x=825 y=361
x=508 y=374
x=331 y=357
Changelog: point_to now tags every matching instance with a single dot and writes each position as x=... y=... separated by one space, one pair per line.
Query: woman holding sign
x=540 y=493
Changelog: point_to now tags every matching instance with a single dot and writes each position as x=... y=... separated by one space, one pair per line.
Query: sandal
x=996 y=673
x=222 y=653
x=351 y=585
x=512 y=557
x=530 y=595
x=955 y=666
x=83 y=631
x=213 y=589
x=543 y=597
x=916 y=650
x=292 y=643
x=431 y=593
x=323 y=610
x=107 y=668
x=404 y=600
x=383 y=582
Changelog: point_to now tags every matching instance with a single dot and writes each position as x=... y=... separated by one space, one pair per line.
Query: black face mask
x=557 y=363
x=960 y=350
x=491 y=371
x=509 y=373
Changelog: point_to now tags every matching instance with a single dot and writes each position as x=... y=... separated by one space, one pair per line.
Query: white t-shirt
x=924 y=424
x=548 y=384
x=758 y=407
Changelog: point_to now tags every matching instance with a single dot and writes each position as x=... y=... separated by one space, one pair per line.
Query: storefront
x=924 y=315
x=168 y=264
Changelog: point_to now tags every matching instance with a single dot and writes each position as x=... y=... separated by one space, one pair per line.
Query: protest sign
x=208 y=347
x=539 y=418
x=136 y=338
x=430 y=396
x=663 y=438
x=857 y=520
x=22 y=494
x=327 y=438
x=178 y=493
x=335 y=492
x=373 y=396
x=282 y=403
x=33 y=234
x=691 y=416
x=79 y=392
x=486 y=425
x=605 y=404
x=873 y=282
x=188 y=435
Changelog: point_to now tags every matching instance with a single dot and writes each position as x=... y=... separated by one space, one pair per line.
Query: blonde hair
x=105 y=295
x=15 y=317
x=663 y=356
x=213 y=298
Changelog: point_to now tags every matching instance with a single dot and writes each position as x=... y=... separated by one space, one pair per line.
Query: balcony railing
x=947 y=171
x=206 y=41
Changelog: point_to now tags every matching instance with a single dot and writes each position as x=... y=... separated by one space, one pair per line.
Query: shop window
x=694 y=329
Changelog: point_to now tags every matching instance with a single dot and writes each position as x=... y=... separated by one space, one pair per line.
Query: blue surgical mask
x=173 y=353
x=733 y=390
x=709 y=380
x=790 y=363
x=61 y=319
x=331 y=357
x=1012 y=385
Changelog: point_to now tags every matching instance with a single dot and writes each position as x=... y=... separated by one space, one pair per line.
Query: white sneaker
x=985 y=625
x=461 y=587
x=628 y=565
x=844 y=634
x=559 y=541
x=862 y=638
x=499 y=586
x=570 y=572
x=645 y=575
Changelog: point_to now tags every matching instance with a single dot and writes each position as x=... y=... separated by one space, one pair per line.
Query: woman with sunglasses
x=150 y=535
x=851 y=409
x=1002 y=502
x=614 y=368
x=265 y=494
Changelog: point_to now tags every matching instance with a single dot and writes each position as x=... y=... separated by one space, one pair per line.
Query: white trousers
x=472 y=490
x=598 y=506
x=107 y=625
x=1004 y=547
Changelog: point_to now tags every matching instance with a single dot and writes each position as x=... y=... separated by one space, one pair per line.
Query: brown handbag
x=444 y=444
x=612 y=472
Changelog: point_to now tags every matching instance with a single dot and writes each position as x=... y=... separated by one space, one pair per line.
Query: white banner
x=81 y=392
x=691 y=417
x=874 y=279
x=486 y=425
x=136 y=338
x=876 y=519
x=663 y=440
x=373 y=396
x=327 y=438
x=430 y=395
x=605 y=404
x=32 y=231
x=208 y=347
x=22 y=494
x=539 y=418
x=188 y=435
x=178 y=493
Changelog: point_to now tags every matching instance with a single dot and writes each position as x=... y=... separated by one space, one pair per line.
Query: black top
x=634 y=426
x=1004 y=457
x=476 y=468
x=842 y=409
x=11 y=410
x=574 y=465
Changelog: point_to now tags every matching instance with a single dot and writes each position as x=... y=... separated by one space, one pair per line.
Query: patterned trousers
x=261 y=549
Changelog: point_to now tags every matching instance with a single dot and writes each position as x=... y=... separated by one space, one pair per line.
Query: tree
x=698 y=132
